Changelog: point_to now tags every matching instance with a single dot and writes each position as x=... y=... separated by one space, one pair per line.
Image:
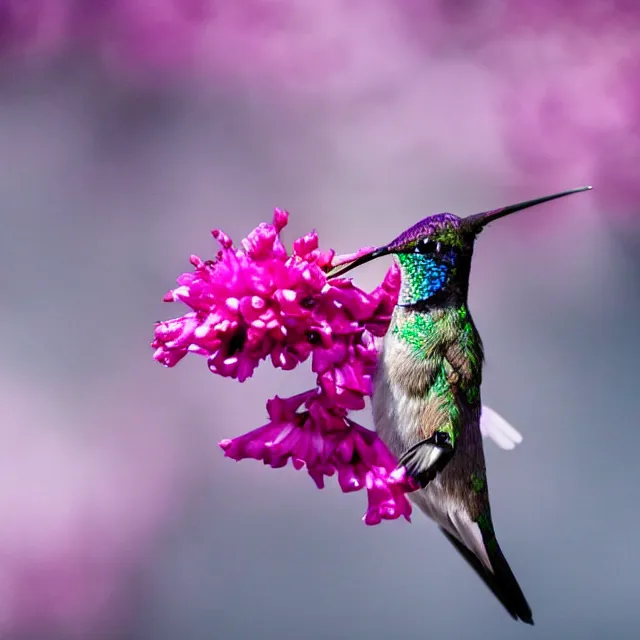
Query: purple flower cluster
x=259 y=302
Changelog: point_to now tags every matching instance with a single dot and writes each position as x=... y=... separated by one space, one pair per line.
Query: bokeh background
x=130 y=128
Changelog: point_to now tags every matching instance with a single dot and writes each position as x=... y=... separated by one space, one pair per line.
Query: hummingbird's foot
x=427 y=458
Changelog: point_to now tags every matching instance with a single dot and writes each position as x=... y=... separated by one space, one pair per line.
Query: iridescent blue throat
x=423 y=276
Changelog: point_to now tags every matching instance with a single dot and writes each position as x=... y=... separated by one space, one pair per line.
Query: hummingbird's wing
x=491 y=565
x=494 y=426
x=427 y=458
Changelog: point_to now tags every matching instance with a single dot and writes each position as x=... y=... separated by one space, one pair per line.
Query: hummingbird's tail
x=501 y=580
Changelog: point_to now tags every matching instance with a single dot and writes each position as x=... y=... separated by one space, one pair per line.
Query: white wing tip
x=494 y=426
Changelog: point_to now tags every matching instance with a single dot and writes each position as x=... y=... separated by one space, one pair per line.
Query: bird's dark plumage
x=502 y=582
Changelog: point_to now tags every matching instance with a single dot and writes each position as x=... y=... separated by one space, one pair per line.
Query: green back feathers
x=427 y=333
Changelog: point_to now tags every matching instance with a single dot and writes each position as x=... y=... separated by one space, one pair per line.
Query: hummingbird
x=426 y=400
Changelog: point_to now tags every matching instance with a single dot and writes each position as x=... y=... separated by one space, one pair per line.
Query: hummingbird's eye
x=427 y=246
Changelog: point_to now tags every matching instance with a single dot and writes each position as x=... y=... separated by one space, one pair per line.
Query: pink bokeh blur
x=81 y=505
x=556 y=80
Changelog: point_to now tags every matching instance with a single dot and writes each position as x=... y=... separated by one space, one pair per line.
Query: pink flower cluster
x=324 y=440
x=259 y=302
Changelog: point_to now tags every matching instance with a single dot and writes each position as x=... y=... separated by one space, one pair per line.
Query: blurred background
x=129 y=129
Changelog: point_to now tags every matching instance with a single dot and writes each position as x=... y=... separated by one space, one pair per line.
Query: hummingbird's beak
x=478 y=221
x=343 y=268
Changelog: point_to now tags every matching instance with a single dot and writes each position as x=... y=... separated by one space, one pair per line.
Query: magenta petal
x=349 y=478
x=372 y=517
x=318 y=477
x=304 y=246
x=222 y=238
x=385 y=502
x=344 y=451
x=284 y=409
x=280 y=219
x=251 y=307
x=169 y=358
x=259 y=243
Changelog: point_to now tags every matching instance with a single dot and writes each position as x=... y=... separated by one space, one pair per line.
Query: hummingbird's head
x=434 y=255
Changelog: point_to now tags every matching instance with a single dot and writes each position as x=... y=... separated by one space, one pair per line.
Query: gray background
x=120 y=518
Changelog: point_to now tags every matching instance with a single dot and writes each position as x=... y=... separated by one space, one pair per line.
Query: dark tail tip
x=502 y=583
x=509 y=585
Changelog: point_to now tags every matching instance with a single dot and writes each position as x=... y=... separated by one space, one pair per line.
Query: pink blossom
x=259 y=302
x=322 y=439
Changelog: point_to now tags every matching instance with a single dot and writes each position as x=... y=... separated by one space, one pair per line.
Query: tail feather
x=501 y=581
